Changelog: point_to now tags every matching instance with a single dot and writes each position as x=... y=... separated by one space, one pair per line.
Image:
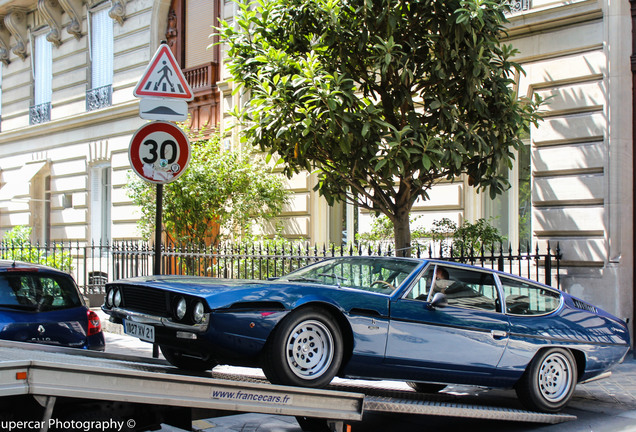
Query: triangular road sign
x=163 y=78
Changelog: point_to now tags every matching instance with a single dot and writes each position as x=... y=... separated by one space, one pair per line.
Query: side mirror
x=439 y=301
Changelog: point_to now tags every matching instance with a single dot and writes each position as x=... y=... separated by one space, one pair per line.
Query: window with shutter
x=100 y=94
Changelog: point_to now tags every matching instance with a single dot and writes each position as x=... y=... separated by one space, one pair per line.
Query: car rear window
x=523 y=298
x=41 y=292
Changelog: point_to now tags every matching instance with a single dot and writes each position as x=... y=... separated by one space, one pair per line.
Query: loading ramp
x=50 y=373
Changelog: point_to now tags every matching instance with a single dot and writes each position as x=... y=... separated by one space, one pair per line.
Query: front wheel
x=186 y=361
x=305 y=350
x=548 y=383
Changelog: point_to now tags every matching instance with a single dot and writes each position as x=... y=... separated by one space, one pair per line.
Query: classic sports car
x=426 y=322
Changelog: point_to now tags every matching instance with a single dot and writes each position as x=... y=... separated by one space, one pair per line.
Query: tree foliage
x=467 y=238
x=383 y=98
x=17 y=245
x=222 y=193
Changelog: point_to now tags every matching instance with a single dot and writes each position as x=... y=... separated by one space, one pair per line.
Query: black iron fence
x=93 y=265
x=90 y=264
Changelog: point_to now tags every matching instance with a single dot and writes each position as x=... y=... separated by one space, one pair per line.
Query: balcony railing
x=99 y=97
x=201 y=77
x=40 y=113
x=519 y=5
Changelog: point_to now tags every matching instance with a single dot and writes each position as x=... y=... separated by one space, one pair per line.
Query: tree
x=17 y=245
x=227 y=189
x=383 y=98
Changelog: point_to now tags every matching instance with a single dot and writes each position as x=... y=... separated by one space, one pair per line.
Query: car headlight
x=117 y=298
x=109 y=297
x=198 y=312
x=180 y=310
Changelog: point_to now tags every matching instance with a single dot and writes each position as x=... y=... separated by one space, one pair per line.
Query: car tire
x=549 y=381
x=426 y=387
x=305 y=350
x=185 y=361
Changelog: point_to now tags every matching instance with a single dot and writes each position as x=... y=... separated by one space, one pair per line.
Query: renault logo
x=41 y=329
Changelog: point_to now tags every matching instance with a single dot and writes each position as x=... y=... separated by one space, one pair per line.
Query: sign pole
x=157 y=269
x=159 y=152
x=158 y=224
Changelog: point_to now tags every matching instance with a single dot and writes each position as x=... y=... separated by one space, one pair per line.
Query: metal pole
x=157 y=269
x=158 y=218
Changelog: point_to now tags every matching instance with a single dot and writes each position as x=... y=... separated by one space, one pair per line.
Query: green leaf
x=365 y=130
x=380 y=164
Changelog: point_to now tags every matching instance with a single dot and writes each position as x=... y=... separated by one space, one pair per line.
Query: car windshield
x=37 y=292
x=377 y=274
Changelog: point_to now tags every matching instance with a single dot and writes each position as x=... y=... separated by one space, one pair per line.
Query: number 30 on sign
x=159 y=152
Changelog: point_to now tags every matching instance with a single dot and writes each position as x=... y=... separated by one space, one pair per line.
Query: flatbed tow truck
x=55 y=388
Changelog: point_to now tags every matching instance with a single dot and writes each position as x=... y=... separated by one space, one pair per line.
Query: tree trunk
x=402 y=233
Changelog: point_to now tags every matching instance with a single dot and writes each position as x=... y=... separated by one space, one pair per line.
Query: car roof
x=9 y=265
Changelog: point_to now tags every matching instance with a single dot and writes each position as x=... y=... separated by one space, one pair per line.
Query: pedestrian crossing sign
x=163 y=78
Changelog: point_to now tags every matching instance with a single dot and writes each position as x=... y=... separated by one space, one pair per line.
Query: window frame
x=40 y=197
x=533 y=284
x=101 y=53
x=499 y=306
x=39 y=69
x=98 y=179
x=101 y=10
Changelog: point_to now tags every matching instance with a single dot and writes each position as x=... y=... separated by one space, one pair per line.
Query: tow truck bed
x=55 y=372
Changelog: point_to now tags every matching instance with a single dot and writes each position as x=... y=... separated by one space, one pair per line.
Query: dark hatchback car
x=43 y=305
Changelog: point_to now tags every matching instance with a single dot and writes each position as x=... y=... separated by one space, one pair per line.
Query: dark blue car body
x=39 y=304
x=482 y=328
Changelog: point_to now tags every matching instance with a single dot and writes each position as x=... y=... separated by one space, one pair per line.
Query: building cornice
x=553 y=17
x=73 y=9
x=80 y=121
x=51 y=12
x=15 y=22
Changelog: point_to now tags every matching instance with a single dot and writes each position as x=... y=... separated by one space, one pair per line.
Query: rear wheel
x=548 y=383
x=187 y=361
x=305 y=350
x=426 y=387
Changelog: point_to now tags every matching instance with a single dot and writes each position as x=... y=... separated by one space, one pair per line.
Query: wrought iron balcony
x=519 y=5
x=40 y=113
x=201 y=78
x=99 y=97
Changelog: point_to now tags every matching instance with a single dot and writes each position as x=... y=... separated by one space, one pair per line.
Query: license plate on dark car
x=142 y=331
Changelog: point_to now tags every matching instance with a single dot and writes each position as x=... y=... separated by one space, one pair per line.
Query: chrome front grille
x=146 y=300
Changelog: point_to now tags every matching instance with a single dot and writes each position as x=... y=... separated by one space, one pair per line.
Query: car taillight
x=94 y=324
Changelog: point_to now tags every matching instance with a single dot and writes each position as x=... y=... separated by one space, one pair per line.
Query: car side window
x=420 y=289
x=469 y=289
x=524 y=298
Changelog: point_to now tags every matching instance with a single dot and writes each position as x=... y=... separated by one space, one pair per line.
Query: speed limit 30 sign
x=159 y=152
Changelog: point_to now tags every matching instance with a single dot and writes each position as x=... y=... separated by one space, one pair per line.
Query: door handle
x=498 y=334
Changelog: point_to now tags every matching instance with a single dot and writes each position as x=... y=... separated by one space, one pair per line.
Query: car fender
x=316 y=299
x=338 y=313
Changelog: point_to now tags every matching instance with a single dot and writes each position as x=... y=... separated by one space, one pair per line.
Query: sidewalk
x=618 y=390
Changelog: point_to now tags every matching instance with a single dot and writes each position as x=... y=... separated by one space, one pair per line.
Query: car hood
x=194 y=285
x=223 y=293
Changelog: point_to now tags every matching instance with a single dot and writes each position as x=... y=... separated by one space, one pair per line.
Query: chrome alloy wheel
x=555 y=377
x=310 y=349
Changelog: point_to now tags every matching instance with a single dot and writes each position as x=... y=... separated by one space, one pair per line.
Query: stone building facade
x=67 y=114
